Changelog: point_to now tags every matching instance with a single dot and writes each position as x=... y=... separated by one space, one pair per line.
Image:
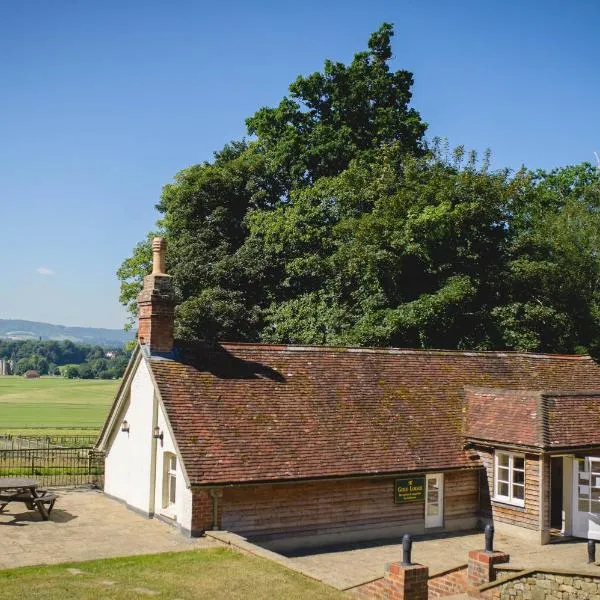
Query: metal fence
x=10 y=441
x=52 y=460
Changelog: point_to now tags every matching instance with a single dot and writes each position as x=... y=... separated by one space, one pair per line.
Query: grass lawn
x=27 y=404
x=216 y=574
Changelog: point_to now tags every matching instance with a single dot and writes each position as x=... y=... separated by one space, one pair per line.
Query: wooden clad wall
x=527 y=517
x=330 y=507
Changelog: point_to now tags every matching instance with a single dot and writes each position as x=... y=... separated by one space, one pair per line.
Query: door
x=434 y=500
x=586 y=497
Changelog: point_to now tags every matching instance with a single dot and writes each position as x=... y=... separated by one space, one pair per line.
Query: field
x=54 y=405
x=219 y=574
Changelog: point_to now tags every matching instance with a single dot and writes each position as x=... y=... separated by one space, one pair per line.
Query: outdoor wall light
x=157 y=434
x=125 y=426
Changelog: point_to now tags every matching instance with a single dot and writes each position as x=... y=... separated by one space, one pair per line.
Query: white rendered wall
x=129 y=459
x=183 y=497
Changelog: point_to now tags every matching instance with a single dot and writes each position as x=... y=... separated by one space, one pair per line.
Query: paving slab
x=349 y=565
x=85 y=525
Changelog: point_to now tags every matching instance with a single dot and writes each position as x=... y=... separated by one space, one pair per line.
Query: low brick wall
x=373 y=590
x=399 y=583
x=448 y=583
x=534 y=584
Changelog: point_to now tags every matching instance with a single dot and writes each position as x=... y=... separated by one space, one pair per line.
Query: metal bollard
x=591 y=551
x=406 y=550
x=489 y=539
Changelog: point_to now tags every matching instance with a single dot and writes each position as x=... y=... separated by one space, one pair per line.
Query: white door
x=586 y=497
x=434 y=500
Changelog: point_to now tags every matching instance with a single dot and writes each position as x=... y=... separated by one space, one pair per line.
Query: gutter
x=211 y=485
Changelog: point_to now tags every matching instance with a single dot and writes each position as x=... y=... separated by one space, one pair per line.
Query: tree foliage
x=65 y=358
x=334 y=223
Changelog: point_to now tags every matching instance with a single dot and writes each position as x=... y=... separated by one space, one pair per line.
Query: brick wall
x=202 y=511
x=377 y=589
x=398 y=583
x=335 y=507
x=448 y=583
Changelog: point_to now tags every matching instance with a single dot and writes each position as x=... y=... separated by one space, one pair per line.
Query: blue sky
x=103 y=102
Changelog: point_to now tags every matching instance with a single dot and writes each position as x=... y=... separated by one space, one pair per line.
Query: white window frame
x=169 y=473
x=510 y=499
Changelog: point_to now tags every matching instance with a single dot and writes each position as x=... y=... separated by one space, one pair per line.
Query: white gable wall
x=128 y=466
x=182 y=513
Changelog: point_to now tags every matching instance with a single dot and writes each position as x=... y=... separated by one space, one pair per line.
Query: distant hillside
x=15 y=329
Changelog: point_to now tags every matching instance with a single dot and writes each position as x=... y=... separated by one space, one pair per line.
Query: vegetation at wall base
x=337 y=222
x=218 y=574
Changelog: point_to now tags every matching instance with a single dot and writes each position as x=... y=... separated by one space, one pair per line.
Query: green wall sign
x=410 y=489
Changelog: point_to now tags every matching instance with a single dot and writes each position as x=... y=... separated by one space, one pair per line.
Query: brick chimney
x=156 y=304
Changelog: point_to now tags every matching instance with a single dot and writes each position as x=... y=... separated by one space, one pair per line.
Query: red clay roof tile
x=249 y=412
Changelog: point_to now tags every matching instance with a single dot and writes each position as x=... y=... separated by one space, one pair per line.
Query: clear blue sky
x=102 y=103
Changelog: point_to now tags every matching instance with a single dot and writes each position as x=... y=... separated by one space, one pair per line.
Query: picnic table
x=27 y=491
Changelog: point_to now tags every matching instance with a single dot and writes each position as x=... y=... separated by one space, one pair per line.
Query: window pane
x=502 y=488
x=503 y=460
x=173 y=461
x=432 y=484
x=518 y=492
x=172 y=486
x=502 y=474
x=583 y=505
x=433 y=510
x=595 y=507
x=518 y=462
x=519 y=477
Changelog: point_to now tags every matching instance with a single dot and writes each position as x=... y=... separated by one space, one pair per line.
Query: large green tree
x=334 y=223
x=329 y=119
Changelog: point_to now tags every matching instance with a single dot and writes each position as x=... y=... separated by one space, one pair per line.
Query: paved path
x=84 y=525
x=350 y=565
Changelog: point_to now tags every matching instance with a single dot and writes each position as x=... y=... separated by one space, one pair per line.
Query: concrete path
x=84 y=525
x=347 y=566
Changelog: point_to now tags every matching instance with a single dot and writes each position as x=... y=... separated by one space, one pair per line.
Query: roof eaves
x=125 y=383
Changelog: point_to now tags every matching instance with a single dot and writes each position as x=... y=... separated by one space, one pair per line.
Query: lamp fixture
x=157 y=434
x=125 y=426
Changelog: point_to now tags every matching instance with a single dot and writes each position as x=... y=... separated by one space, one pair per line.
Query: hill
x=16 y=329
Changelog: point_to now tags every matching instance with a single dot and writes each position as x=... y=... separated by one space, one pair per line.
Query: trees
x=336 y=224
x=54 y=358
x=329 y=119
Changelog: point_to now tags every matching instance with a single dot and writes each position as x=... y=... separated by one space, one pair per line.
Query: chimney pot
x=159 y=247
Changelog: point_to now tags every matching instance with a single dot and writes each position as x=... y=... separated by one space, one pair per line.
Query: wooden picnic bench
x=19 y=489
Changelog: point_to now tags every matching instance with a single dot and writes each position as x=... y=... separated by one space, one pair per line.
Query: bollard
x=591 y=551
x=489 y=539
x=406 y=550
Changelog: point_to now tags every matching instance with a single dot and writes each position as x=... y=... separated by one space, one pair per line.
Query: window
x=169 y=479
x=509 y=478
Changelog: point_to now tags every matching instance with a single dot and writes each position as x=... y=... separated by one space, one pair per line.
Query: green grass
x=27 y=405
x=218 y=574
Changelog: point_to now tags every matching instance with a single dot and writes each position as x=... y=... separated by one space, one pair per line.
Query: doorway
x=556 y=493
x=586 y=497
x=434 y=500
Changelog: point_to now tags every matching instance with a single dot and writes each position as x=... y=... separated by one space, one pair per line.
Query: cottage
x=297 y=446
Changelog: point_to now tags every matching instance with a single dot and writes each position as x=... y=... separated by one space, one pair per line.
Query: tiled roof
x=507 y=416
x=544 y=420
x=249 y=412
